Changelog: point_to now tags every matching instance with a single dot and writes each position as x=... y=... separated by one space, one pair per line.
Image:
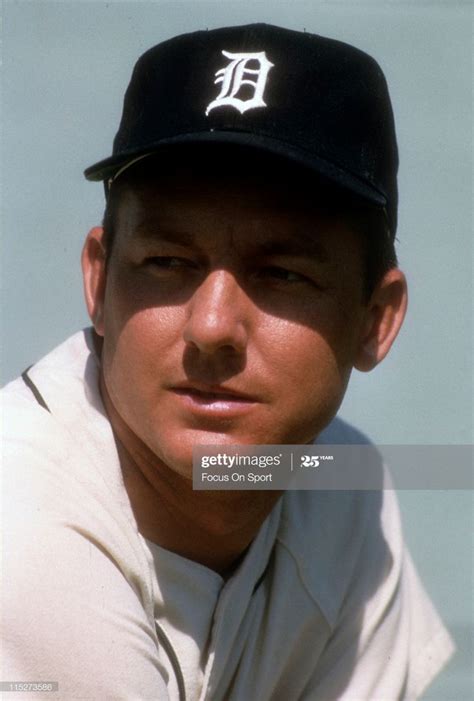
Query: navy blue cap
x=313 y=100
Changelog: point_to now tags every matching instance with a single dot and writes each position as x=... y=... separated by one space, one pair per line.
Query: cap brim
x=108 y=167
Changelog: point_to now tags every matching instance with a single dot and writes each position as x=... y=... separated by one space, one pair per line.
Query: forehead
x=207 y=214
x=236 y=193
x=187 y=189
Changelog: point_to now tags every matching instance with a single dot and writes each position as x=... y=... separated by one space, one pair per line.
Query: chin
x=177 y=452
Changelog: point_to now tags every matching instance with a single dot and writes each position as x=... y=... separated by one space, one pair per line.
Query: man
x=245 y=266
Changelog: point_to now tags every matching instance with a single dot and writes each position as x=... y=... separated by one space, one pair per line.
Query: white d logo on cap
x=233 y=76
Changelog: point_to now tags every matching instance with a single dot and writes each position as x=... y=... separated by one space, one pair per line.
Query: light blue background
x=65 y=69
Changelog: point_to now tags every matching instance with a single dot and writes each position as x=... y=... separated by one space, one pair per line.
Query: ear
x=385 y=313
x=94 y=276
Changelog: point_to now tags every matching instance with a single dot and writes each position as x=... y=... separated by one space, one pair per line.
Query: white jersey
x=326 y=603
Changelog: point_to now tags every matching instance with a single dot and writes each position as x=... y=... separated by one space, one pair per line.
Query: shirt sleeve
x=390 y=646
x=70 y=613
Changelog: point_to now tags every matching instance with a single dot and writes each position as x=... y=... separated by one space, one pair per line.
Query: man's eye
x=283 y=274
x=169 y=262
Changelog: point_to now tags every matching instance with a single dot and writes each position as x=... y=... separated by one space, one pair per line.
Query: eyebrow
x=301 y=244
x=147 y=231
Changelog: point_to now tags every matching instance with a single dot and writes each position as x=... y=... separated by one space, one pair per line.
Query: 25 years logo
x=314 y=460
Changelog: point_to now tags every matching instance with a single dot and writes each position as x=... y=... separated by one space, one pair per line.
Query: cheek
x=322 y=339
x=140 y=344
x=135 y=321
x=311 y=365
x=317 y=382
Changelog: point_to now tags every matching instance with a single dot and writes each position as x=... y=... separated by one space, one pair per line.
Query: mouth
x=213 y=399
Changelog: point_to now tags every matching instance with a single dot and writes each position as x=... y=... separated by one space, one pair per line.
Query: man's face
x=232 y=314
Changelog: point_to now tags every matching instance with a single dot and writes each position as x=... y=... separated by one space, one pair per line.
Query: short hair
x=367 y=220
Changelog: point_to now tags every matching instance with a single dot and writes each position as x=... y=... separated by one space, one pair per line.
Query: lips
x=217 y=400
x=213 y=392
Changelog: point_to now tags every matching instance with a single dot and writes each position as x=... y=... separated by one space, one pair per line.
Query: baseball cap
x=315 y=101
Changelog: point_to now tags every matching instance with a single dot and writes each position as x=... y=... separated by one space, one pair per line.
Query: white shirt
x=325 y=605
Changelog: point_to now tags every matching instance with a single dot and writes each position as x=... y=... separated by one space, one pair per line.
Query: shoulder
x=60 y=468
x=31 y=436
x=342 y=540
x=49 y=475
x=42 y=419
x=70 y=553
x=351 y=559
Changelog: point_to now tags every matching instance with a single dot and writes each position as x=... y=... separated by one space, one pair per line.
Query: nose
x=218 y=315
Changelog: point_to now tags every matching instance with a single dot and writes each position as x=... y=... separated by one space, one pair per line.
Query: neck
x=213 y=528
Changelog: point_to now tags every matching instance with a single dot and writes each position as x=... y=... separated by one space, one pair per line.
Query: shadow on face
x=272 y=226
x=220 y=268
